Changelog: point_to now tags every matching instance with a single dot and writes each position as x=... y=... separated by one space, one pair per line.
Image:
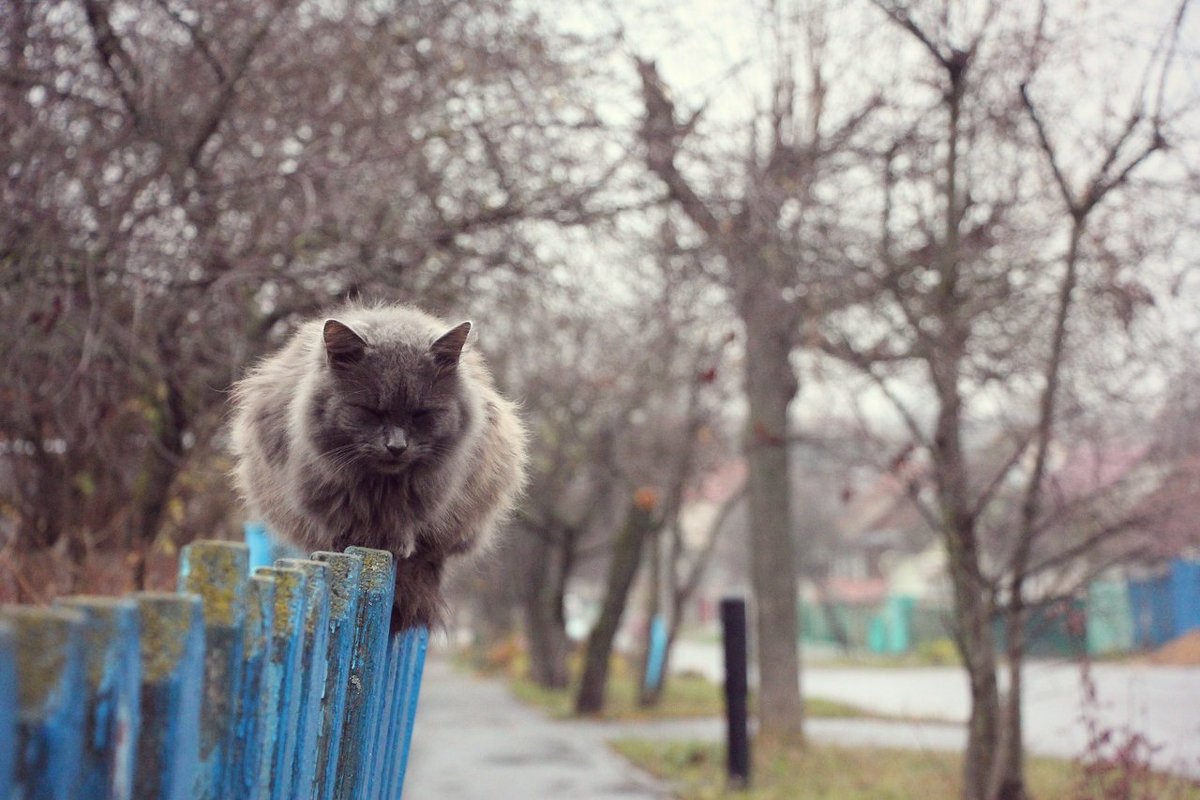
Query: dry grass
x=697 y=771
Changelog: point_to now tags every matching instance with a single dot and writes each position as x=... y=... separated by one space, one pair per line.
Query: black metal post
x=733 y=627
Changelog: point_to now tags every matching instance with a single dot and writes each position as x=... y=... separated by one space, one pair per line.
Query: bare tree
x=977 y=289
x=182 y=179
x=766 y=228
x=620 y=385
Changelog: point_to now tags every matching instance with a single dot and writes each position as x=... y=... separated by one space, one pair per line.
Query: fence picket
x=248 y=737
x=416 y=642
x=172 y=676
x=283 y=683
x=390 y=730
x=8 y=709
x=218 y=573
x=112 y=680
x=346 y=574
x=364 y=691
x=49 y=647
x=405 y=655
x=312 y=672
x=281 y=695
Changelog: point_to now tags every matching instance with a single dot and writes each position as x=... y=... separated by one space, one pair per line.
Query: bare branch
x=198 y=39
x=997 y=480
x=1048 y=150
x=217 y=109
x=901 y=17
x=117 y=61
x=662 y=136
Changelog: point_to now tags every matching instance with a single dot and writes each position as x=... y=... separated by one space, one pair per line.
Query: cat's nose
x=396 y=442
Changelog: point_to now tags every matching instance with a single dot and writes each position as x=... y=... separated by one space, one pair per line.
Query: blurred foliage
x=184 y=181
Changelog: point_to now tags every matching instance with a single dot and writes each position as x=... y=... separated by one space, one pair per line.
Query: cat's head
x=389 y=404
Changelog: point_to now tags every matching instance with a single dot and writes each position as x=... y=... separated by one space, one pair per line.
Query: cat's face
x=389 y=408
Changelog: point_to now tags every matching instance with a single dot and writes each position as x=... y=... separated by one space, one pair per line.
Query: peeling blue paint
x=365 y=689
x=346 y=574
x=218 y=573
x=172 y=672
x=280 y=684
x=111 y=700
x=49 y=725
x=248 y=733
x=313 y=666
x=8 y=709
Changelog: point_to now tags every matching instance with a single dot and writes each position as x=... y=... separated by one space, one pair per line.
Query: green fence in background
x=1109 y=618
x=896 y=625
x=901 y=624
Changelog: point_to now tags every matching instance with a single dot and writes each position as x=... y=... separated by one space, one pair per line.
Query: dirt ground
x=1183 y=651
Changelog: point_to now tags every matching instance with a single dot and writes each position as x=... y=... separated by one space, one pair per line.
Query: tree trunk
x=153 y=487
x=973 y=608
x=973 y=596
x=681 y=590
x=627 y=556
x=977 y=647
x=1008 y=770
x=41 y=519
x=648 y=696
x=973 y=612
x=545 y=624
x=770 y=386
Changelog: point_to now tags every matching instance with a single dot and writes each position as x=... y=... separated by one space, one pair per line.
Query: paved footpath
x=474 y=741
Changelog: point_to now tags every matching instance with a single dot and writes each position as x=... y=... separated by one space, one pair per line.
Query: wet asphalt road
x=1160 y=703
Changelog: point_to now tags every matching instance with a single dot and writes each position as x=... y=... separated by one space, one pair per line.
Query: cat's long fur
x=322 y=497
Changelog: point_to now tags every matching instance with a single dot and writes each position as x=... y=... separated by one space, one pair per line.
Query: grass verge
x=686 y=695
x=820 y=772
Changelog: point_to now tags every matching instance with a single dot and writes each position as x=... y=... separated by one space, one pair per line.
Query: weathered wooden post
x=218 y=572
x=281 y=683
x=733 y=627
x=313 y=666
x=112 y=683
x=49 y=648
x=248 y=749
x=345 y=577
x=357 y=774
x=172 y=672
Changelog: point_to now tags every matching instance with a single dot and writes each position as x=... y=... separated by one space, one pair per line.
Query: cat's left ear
x=447 y=349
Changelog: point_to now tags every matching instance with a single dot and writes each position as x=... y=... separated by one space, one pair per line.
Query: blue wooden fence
x=283 y=684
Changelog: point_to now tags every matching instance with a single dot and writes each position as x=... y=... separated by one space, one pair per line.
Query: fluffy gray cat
x=375 y=427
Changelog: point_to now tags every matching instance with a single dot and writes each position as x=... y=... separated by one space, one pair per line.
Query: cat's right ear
x=343 y=347
x=448 y=348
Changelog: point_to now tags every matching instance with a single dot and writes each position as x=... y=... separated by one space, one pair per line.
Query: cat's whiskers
x=347 y=455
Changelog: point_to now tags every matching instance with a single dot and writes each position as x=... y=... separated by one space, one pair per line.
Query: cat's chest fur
x=377 y=510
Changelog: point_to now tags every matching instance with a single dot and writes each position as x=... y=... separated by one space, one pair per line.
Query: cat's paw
x=408 y=546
